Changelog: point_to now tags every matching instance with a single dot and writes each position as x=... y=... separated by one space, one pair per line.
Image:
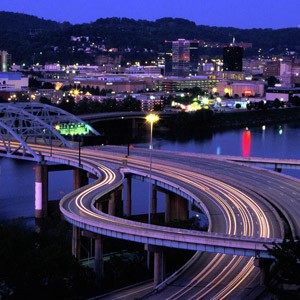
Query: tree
x=45 y=268
x=249 y=105
x=277 y=103
x=45 y=100
x=295 y=100
x=110 y=105
x=130 y=104
x=48 y=85
x=286 y=268
x=261 y=105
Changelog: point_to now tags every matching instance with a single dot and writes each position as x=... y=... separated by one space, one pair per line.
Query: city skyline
x=231 y=13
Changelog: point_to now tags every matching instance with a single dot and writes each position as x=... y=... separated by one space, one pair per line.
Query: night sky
x=226 y=13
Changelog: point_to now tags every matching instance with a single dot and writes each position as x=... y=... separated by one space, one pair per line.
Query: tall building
x=194 y=57
x=168 y=58
x=181 y=58
x=4 y=58
x=233 y=58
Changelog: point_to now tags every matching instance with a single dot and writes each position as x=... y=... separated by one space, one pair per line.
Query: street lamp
x=79 y=150
x=151 y=118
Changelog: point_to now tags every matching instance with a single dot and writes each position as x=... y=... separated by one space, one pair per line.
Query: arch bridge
x=24 y=123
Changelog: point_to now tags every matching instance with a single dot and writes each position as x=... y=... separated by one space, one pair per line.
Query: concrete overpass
x=243 y=213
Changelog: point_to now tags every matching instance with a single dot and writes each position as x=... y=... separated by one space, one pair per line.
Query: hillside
x=17 y=22
x=24 y=37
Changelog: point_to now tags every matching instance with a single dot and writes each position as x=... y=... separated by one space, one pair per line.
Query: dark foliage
x=24 y=37
x=286 y=269
x=86 y=106
x=40 y=266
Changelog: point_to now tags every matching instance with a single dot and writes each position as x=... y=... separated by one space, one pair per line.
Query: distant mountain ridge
x=24 y=37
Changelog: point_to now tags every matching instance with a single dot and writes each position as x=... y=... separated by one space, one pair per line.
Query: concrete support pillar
x=128 y=206
x=154 y=201
x=76 y=241
x=159 y=263
x=112 y=204
x=119 y=202
x=99 y=258
x=167 y=208
x=176 y=208
x=179 y=208
x=41 y=191
x=159 y=267
x=80 y=178
x=99 y=205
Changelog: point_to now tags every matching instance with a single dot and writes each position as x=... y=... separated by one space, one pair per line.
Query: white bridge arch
x=24 y=123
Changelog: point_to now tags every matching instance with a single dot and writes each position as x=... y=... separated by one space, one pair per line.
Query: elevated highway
x=247 y=207
x=237 y=214
x=243 y=217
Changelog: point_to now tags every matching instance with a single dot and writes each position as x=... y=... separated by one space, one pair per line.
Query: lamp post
x=79 y=150
x=151 y=118
x=51 y=145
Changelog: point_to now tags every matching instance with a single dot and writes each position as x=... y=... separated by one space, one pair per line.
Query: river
x=17 y=177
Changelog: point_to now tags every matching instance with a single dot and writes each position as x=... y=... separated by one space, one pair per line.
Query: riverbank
x=242 y=118
x=205 y=121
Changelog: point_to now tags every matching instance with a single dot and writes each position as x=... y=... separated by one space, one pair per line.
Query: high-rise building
x=181 y=58
x=4 y=58
x=194 y=57
x=233 y=58
x=168 y=58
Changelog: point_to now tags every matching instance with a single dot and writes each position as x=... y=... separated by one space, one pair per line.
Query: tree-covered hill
x=30 y=39
x=17 y=22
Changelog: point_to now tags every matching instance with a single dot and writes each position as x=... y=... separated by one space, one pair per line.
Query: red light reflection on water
x=246 y=143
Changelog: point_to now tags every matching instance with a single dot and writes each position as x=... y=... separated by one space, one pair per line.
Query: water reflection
x=246 y=143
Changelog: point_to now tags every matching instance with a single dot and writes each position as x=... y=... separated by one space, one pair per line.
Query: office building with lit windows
x=181 y=58
x=174 y=84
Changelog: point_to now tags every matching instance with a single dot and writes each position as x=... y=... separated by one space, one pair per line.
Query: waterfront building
x=240 y=88
x=281 y=93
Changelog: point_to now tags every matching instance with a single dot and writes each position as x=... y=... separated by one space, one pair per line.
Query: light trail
x=230 y=200
x=239 y=199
